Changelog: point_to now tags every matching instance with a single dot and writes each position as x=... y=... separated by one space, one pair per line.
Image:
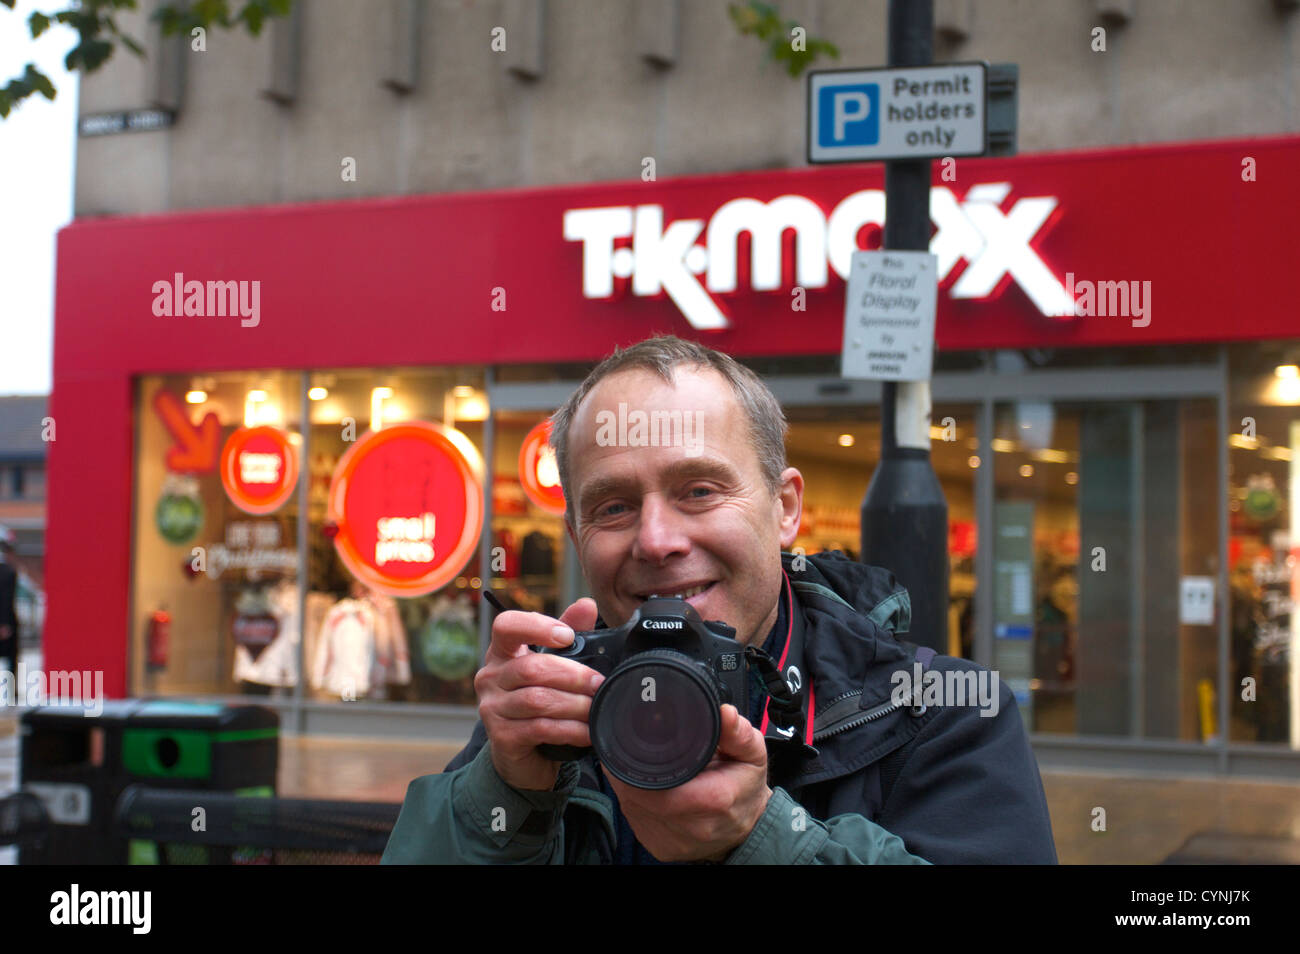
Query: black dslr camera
x=655 y=720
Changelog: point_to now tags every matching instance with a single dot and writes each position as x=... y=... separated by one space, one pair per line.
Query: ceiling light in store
x=196 y=397
x=318 y=394
x=462 y=390
x=1003 y=446
x=1242 y=442
x=377 y=396
x=472 y=406
x=1288 y=390
x=973 y=460
x=253 y=414
x=1026 y=470
x=1049 y=455
x=1289 y=372
x=1275 y=453
x=846 y=440
x=1072 y=478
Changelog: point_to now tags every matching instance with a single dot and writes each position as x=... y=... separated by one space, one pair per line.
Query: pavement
x=1148 y=820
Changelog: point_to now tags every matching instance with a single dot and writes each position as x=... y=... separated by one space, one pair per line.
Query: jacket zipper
x=853 y=722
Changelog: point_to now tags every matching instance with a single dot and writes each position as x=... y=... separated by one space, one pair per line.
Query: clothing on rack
x=392 y=661
x=361 y=648
x=538 y=557
x=446 y=646
x=269 y=661
x=345 y=654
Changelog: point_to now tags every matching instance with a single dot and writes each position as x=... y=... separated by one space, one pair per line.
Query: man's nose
x=661 y=532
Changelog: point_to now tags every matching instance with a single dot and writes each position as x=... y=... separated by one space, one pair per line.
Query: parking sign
x=914 y=113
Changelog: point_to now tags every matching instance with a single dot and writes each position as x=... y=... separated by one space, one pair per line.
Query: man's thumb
x=739 y=739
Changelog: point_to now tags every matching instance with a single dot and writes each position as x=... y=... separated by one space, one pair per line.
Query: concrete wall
x=1179 y=70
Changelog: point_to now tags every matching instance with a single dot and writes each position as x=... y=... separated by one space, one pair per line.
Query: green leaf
x=89 y=55
x=38 y=23
x=39 y=82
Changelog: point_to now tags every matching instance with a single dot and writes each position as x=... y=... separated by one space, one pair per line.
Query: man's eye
x=700 y=492
x=611 y=510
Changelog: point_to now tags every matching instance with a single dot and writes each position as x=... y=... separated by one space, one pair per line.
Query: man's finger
x=514 y=629
x=581 y=616
x=540 y=703
x=739 y=740
x=554 y=672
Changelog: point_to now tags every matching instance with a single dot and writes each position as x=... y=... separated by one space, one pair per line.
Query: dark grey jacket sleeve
x=970 y=791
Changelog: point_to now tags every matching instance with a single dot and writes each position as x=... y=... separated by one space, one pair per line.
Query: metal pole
x=904 y=513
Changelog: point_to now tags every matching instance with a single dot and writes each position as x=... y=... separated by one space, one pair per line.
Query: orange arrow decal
x=196 y=448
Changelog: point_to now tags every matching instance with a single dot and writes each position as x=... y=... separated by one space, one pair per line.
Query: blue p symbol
x=853 y=113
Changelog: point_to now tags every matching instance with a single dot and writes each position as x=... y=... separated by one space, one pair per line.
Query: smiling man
x=831 y=771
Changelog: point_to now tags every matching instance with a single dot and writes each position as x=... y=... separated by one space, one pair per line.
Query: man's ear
x=791 y=499
x=568 y=526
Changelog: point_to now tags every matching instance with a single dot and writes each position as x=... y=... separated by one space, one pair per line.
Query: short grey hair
x=663 y=355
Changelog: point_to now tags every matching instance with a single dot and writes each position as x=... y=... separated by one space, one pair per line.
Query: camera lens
x=655 y=721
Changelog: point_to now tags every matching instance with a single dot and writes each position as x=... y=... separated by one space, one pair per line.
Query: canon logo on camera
x=663 y=624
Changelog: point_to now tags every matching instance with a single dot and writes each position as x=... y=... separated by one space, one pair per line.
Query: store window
x=373 y=628
x=1104 y=520
x=1263 y=483
x=837 y=449
x=215 y=575
x=529 y=555
x=388 y=607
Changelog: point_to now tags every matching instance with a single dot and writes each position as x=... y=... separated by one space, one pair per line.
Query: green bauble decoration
x=449 y=649
x=178 y=517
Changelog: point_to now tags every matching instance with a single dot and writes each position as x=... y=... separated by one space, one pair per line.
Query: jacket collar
x=843 y=663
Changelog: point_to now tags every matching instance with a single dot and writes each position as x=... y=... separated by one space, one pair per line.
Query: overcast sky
x=36 y=153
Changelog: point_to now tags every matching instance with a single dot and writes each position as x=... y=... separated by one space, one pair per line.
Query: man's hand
x=709 y=816
x=526 y=699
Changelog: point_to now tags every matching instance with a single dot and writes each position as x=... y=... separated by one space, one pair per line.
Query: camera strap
x=785 y=706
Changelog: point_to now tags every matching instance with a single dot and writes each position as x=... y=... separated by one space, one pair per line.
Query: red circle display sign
x=408 y=502
x=538 y=472
x=259 y=469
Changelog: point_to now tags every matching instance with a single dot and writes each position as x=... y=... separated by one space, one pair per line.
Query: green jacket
x=471 y=816
x=821 y=811
x=885 y=781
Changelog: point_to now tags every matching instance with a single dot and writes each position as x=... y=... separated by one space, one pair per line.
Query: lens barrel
x=655 y=722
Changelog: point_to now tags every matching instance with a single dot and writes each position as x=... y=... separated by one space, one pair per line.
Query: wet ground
x=1148 y=820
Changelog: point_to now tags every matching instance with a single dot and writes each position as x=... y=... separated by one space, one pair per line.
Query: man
x=707 y=516
x=8 y=593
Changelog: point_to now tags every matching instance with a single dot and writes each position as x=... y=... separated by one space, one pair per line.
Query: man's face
x=669 y=520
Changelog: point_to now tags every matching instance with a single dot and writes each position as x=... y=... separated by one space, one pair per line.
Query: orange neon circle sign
x=537 y=471
x=408 y=503
x=259 y=469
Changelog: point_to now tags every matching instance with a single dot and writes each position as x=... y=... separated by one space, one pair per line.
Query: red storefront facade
x=749 y=263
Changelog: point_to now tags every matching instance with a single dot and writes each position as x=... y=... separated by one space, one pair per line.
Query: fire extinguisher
x=160 y=624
